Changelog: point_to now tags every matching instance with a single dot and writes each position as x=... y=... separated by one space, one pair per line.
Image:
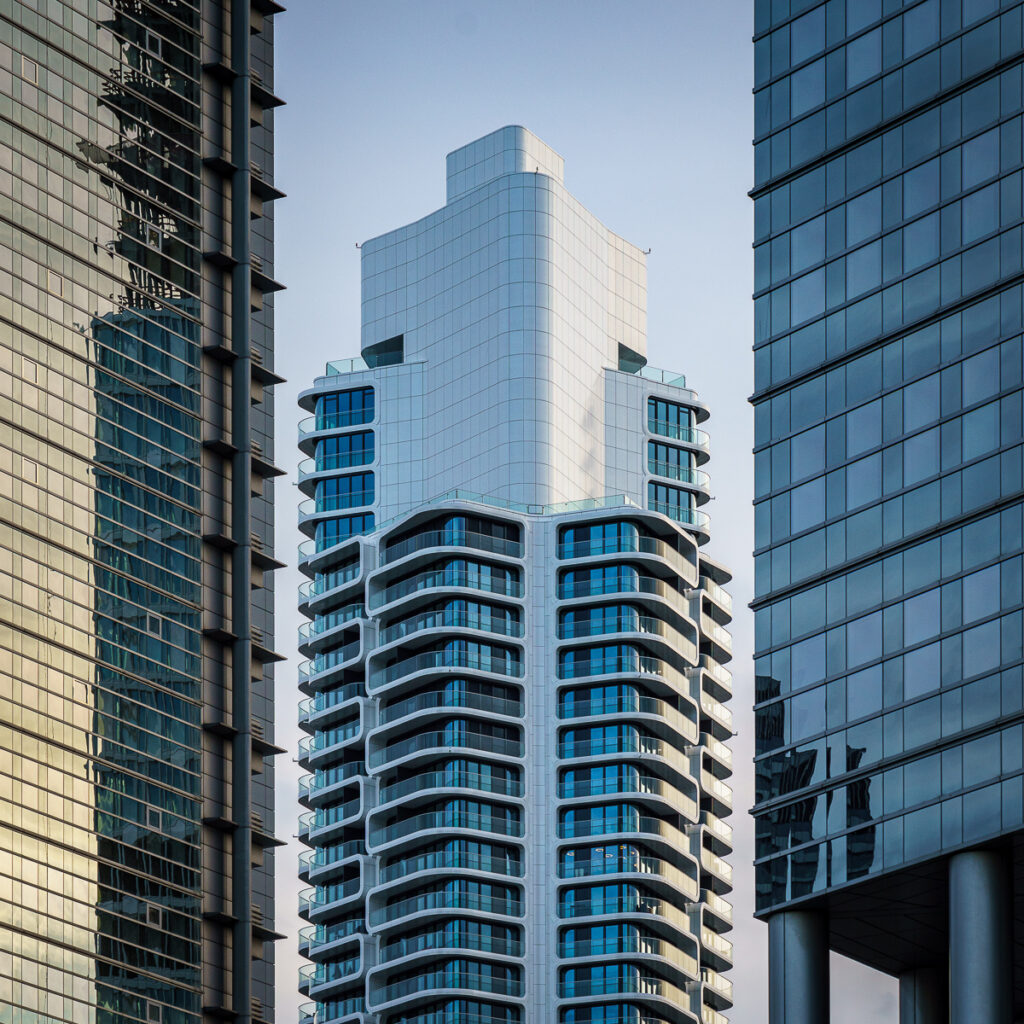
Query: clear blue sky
x=649 y=103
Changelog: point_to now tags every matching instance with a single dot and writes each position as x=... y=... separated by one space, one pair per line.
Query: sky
x=649 y=102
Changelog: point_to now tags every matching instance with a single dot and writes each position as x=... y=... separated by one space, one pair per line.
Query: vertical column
x=798 y=982
x=980 y=938
x=924 y=996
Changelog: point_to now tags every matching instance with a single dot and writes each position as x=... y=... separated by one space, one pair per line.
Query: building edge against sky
x=888 y=507
x=505 y=575
x=136 y=514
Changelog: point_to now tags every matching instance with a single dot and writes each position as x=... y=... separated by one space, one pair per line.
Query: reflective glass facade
x=515 y=694
x=888 y=441
x=135 y=805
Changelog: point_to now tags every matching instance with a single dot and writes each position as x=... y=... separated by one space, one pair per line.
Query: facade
x=515 y=686
x=890 y=796
x=136 y=602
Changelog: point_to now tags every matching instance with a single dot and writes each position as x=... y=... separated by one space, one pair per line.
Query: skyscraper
x=136 y=606
x=887 y=401
x=516 y=692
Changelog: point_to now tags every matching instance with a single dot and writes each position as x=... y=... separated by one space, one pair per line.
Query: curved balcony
x=635 y=864
x=321 y=667
x=446 y=900
x=718 y=867
x=632 y=785
x=445 y=619
x=318 y=979
x=712 y=903
x=442 y=780
x=720 y=986
x=322 y=624
x=493 y=745
x=688 y=477
x=318 y=826
x=440 y=699
x=450 y=860
x=327 y=860
x=442 y=981
x=445 y=660
x=313 y=787
x=328 y=582
x=719 y=791
x=310 y=550
x=649 y=987
x=638 y=545
x=443 y=821
x=451 y=539
x=440 y=941
x=324 y=464
x=718 y=713
x=627 y=704
x=689 y=517
x=626 y=824
x=711 y=630
x=627 y=746
x=631 y=945
x=436 y=1014
x=623 y=583
x=444 y=579
x=316 y=710
x=645 y=625
x=323 y=744
x=313 y=508
x=693 y=438
x=718 y=594
x=719 y=948
x=327 y=897
x=334 y=1011
x=312 y=426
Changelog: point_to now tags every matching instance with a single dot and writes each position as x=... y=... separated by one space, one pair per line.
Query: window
x=29 y=70
x=54 y=283
x=29 y=470
x=154 y=916
x=344 y=492
x=28 y=369
x=344 y=409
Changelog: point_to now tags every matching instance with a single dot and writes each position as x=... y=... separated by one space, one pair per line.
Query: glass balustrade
x=446 y=659
x=327 y=699
x=624 y=583
x=451 y=780
x=436 y=859
x=627 y=544
x=327 y=738
x=688 y=516
x=446 y=939
x=625 y=703
x=451 y=538
x=679 y=432
x=324 y=623
x=325 y=582
x=436 y=579
x=426 y=741
x=631 y=864
x=453 y=620
x=323 y=778
x=447 y=900
x=458 y=698
x=446 y=979
x=494 y=824
x=326 y=661
x=684 y=474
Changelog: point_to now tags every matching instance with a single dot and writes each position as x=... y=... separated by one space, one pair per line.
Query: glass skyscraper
x=136 y=606
x=515 y=691
x=888 y=430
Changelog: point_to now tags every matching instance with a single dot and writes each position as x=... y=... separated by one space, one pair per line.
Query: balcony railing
x=323 y=778
x=441 y=578
x=626 y=704
x=482 y=943
x=324 y=856
x=446 y=659
x=326 y=582
x=452 y=780
x=624 y=583
x=684 y=474
x=630 y=544
x=626 y=864
x=441 y=859
x=629 y=943
x=446 y=819
x=678 y=432
x=328 y=738
x=454 y=620
x=336 y=460
x=452 y=538
x=324 y=623
x=687 y=516
x=448 y=980
x=325 y=700
x=463 y=739
x=326 y=661
x=717 y=594
x=334 y=421
x=447 y=900
x=451 y=699
x=336 y=502
x=629 y=784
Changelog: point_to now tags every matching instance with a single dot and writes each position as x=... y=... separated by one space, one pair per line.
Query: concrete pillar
x=798 y=984
x=980 y=938
x=924 y=996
